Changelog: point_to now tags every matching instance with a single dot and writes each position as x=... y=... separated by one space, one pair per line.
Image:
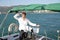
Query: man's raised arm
x=16 y=16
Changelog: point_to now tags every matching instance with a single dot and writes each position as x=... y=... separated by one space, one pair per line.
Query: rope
x=13 y=25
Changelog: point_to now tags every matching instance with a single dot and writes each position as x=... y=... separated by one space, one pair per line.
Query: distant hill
x=4 y=9
x=53 y=7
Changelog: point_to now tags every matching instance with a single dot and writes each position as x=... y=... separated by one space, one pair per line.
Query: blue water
x=49 y=23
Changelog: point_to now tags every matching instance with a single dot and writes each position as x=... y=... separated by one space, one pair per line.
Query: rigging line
x=3 y=32
x=3 y=20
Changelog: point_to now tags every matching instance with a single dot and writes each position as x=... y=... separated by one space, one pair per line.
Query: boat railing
x=58 y=31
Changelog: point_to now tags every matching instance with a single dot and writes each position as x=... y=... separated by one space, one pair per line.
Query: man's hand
x=19 y=13
x=37 y=25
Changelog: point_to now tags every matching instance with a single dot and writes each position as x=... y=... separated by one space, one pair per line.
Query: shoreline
x=35 y=13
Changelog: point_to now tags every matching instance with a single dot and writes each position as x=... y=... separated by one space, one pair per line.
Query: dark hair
x=24 y=13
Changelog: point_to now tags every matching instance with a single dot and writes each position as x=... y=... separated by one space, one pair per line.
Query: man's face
x=23 y=15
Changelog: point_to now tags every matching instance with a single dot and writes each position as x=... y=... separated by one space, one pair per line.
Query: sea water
x=49 y=23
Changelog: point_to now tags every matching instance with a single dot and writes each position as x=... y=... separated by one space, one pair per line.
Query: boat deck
x=37 y=38
x=16 y=37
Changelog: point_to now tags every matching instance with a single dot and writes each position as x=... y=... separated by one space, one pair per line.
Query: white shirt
x=23 y=24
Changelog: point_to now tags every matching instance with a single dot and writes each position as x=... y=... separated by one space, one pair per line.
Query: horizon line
x=23 y=4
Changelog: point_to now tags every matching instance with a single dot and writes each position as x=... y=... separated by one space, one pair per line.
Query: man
x=23 y=23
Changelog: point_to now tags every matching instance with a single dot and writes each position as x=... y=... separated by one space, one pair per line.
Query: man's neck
x=23 y=18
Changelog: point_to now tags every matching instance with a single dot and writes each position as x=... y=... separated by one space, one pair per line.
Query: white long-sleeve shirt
x=23 y=24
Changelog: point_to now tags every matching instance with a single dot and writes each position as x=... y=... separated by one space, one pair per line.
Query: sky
x=26 y=2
